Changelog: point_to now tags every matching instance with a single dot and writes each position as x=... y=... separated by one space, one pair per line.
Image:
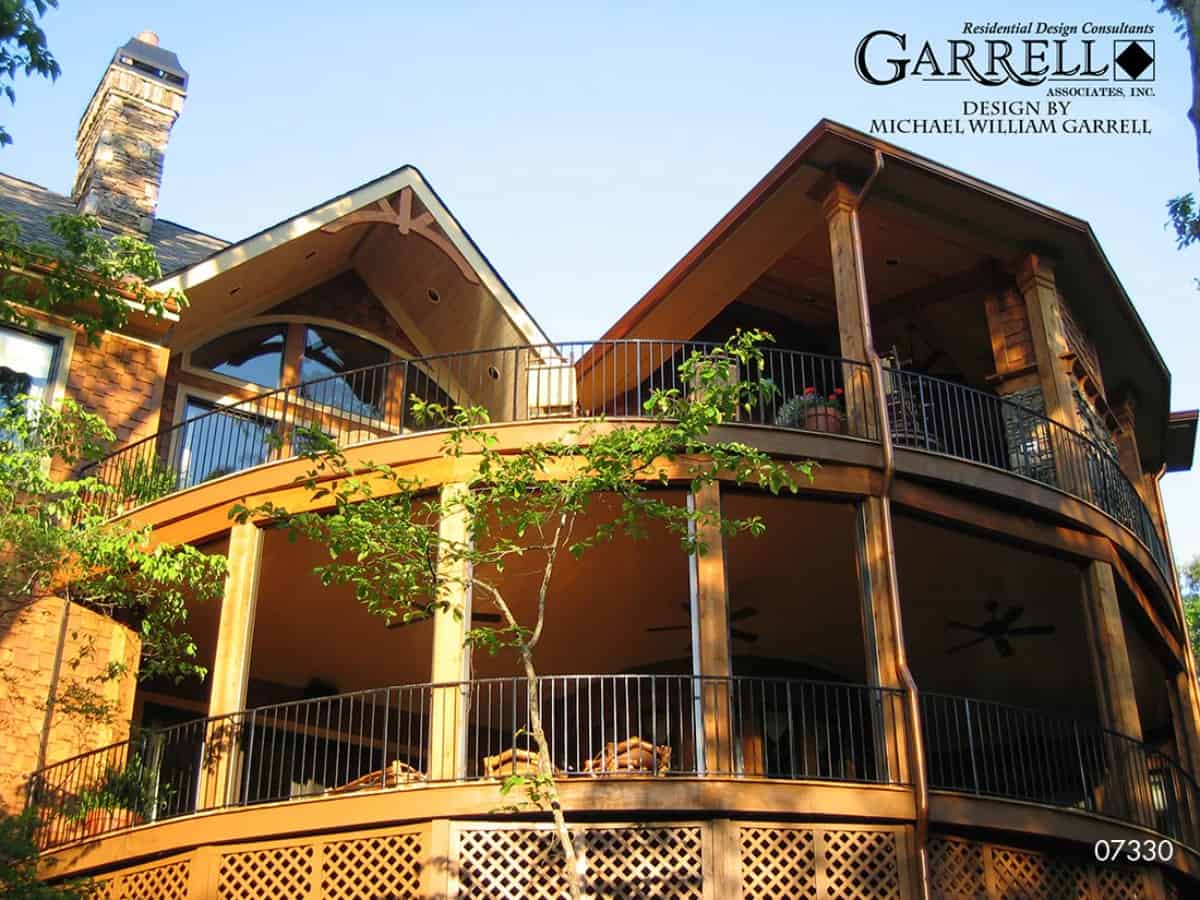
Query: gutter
x=916 y=738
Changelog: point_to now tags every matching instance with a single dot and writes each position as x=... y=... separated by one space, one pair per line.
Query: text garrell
x=1013 y=117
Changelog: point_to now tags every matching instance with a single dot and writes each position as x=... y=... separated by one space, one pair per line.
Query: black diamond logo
x=1134 y=60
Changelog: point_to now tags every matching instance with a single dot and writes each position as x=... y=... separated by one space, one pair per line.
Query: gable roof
x=230 y=256
x=1130 y=355
x=30 y=204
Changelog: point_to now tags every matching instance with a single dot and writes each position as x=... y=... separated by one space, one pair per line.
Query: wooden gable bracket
x=401 y=216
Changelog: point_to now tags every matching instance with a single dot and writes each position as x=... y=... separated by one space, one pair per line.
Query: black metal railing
x=686 y=725
x=991 y=749
x=809 y=392
x=596 y=725
x=927 y=413
x=613 y=379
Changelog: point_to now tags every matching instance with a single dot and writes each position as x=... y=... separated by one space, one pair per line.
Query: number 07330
x=1133 y=851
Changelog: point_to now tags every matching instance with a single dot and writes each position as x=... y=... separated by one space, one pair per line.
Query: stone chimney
x=122 y=137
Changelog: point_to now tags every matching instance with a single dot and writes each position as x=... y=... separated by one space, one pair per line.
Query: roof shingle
x=30 y=204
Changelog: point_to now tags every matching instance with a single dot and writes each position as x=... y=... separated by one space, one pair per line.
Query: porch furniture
x=633 y=754
x=513 y=761
x=395 y=774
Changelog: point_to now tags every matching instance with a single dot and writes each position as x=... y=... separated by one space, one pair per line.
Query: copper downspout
x=916 y=740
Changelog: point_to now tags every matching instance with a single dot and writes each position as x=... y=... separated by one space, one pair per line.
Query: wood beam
x=401 y=215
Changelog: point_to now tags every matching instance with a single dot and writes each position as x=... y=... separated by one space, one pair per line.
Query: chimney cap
x=143 y=55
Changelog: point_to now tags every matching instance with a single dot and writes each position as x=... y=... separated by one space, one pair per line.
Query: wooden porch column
x=711 y=658
x=1114 y=685
x=854 y=330
x=221 y=772
x=1110 y=654
x=1035 y=278
x=882 y=634
x=451 y=662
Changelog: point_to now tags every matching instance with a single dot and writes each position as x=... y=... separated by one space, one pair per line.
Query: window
x=252 y=354
x=328 y=356
x=28 y=364
x=224 y=442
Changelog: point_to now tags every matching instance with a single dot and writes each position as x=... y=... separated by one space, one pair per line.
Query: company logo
x=1056 y=53
x=1134 y=60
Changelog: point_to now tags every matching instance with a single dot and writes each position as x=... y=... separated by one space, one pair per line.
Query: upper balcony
x=810 y=393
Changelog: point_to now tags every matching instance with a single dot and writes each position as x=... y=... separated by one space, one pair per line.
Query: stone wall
x=28 y=640
x=1012 y=340
x=120 y=147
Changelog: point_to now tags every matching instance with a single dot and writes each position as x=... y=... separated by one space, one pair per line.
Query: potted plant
x=814 y=411
x=124 y=797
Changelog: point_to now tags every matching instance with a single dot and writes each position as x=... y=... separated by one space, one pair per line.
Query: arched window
x=251 y=354
x=344 y=371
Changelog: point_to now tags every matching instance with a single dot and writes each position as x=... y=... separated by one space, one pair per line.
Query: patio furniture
x=395 y=774
x=633 y=754
x=513 y=761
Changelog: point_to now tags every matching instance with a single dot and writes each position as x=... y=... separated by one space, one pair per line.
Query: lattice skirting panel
x=158 y=881
x=831 y=861
x=968 y=870
x=678 y=860
x=625 y=862
x=366 y=866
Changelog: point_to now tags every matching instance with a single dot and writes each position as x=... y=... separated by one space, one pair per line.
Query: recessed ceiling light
x=310 y=254
x=234 y=291
x=434 y=296
x=891 y=261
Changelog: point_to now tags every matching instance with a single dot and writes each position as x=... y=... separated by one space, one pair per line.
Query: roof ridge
x=40 y=187
x=192 y=230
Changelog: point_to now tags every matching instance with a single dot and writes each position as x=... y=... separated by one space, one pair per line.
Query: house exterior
x=955 y=662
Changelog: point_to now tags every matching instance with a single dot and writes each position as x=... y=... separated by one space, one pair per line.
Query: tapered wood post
x=882 y=635
x=1035 y=278
x=220 y=774
x=451 y=662
x=1110 y=653
x=712 y=661
x=1117 y=698
x=854 y=329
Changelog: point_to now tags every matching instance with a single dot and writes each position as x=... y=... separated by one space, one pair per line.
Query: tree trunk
x=573 y=855
x=1189 y=12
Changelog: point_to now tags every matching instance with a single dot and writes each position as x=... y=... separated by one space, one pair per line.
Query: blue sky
x=587 y=150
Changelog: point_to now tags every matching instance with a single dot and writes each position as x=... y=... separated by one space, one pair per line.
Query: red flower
x=810 y=390
x=838 y=391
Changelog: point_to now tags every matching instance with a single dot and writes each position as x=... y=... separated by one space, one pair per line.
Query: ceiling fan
x=485 y=618
x=737 y=615
x=998 y=629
